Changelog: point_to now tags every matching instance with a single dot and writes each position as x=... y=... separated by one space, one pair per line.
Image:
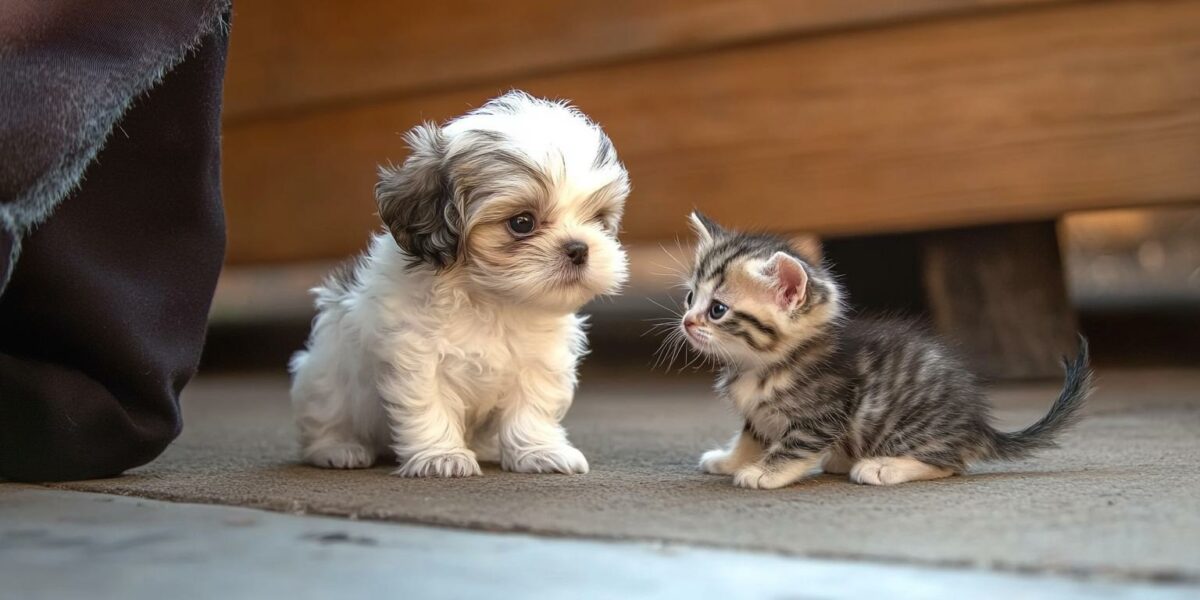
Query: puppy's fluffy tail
x=1063 y=414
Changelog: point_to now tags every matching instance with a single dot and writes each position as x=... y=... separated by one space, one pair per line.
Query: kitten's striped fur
x=884 y=401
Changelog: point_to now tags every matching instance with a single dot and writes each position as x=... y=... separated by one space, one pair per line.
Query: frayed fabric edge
x=32 y=207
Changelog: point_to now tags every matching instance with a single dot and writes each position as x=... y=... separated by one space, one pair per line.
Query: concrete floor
x=1117 y=506
x=56 y=545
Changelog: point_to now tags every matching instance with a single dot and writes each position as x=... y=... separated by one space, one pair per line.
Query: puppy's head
x=522 y=195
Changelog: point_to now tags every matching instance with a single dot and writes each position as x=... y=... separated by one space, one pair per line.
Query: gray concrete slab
x=1120 y=499
x=56 y=545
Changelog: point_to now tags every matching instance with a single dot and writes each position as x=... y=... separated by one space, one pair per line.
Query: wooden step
x=997 y=117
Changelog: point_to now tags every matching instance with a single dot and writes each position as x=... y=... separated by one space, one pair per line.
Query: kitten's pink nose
x=690 y=322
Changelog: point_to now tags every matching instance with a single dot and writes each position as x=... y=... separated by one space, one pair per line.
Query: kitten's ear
x=705 y=228
x=789 y=278
x=416 y=200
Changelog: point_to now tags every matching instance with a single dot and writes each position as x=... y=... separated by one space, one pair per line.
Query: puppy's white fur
x=454 y=340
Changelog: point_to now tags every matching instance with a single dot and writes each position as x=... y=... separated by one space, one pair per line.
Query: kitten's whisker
x=659 y=329
x=679 y=245
x=667 y=349
x=689 y=363
x=726 y=355
x=710 y=358
x=682 y=266
x=668 y=273
x=673 y=311
x=681 y=348
x=676 y=348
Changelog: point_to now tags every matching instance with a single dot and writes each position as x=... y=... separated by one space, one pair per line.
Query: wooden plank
x=999 y=292
x=949 y=123
x=286 y=57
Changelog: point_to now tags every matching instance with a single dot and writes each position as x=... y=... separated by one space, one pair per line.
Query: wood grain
x=1017 y=116
x=284 y=57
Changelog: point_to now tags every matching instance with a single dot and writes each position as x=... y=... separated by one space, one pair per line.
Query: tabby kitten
x=881 y=400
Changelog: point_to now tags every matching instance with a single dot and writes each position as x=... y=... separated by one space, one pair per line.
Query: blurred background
x=1010 y=170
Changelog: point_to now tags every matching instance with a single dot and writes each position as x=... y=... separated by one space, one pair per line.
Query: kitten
x=881 y=400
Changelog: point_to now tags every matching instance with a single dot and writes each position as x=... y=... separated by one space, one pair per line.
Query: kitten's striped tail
x=1063 y=414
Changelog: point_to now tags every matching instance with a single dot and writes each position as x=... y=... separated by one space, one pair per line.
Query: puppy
x=454 y=339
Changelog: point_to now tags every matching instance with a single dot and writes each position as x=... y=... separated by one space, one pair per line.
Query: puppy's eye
x=602 y=219
x=688 y=301
x=716 y=310
x=522 y=224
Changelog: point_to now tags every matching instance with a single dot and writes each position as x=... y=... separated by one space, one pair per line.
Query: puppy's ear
x=416 y=201
x=706 y=229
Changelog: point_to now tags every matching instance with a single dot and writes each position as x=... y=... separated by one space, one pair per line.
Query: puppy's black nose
x=576 y=251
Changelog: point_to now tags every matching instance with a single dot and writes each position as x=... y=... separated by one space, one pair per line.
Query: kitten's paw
x=867 y=471
x=750 y=477
x=339 y=456
x=755 y=477
x=455 y=463
x=717 y=462
x=893 y=470
x=559 y=459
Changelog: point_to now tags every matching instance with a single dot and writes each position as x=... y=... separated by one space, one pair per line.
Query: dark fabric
x=103 y=320
x=8 y=255
x=68 y=70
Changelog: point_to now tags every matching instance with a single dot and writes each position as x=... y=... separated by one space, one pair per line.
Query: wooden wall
x=822 y=115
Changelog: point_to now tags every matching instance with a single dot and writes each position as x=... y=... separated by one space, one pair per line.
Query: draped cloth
x=111 y=228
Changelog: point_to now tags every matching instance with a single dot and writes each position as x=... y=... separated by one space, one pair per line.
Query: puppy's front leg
x=531 y=438
x=426 y=420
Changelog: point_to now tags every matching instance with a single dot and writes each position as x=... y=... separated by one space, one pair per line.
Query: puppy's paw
x=339 y=456
x=455 y=463
x=558 y=459
x=717 y=462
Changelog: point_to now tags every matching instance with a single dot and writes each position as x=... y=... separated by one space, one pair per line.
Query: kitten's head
x=752 y=297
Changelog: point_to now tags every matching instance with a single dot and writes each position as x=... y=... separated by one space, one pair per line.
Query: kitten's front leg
x=743 y=450
x=779 y=467
x=427 y=433
x=531 y=438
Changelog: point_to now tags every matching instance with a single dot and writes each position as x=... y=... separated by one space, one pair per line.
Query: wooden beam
x=1010 y=117
x=285 y=57
x=999 y=292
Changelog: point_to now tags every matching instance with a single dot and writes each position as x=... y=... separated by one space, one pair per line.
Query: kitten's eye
x=716 y=310
x=688 y=301
x=522 y=224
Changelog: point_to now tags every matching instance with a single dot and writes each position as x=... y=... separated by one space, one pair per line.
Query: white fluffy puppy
x=454 y=339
